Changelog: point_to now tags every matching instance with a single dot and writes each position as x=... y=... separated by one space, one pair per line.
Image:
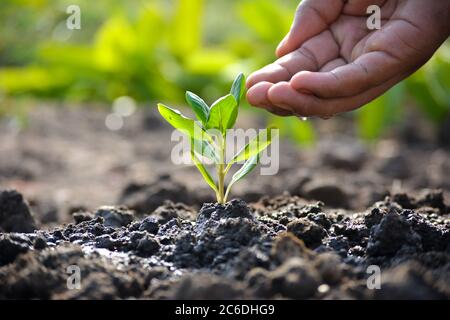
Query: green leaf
x=246 y=168
x=255 y=146
x=199 y=106
x=205 y=148
x=209 y=180
x=222 y=114
x=191 y=128
x=177 y=120
x=238 y=87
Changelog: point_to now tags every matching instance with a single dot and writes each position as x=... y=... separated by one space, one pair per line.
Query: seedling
x=208 y=137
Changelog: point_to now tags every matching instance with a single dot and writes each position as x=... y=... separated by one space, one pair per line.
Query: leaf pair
x=223 y=112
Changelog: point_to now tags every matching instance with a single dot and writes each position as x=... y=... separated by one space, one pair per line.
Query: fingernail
x=280 y=45
x=285 y=107
x=248 y=84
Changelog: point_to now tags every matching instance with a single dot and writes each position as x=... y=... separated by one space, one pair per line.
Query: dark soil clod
x=308 y=231
x=15 y=216
x=115 y=217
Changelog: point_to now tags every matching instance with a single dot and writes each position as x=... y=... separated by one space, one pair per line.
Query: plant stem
x=226 y=194
x=221 y=172
x=221 y=176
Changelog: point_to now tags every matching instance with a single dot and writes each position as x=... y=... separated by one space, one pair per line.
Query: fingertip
x=251 y=97
x=278 y=89
x=250 y=82
x=301 y=80
x=277 y=94
x=281 y=49
x=257 y=94
x=256 y=77
x=271 y=73
x=286 y=97
x=281 y=52
x=320 y=84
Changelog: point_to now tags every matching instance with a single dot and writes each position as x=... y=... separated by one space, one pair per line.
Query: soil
x=112 y=204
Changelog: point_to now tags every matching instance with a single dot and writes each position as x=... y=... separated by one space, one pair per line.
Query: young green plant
x=208 y=136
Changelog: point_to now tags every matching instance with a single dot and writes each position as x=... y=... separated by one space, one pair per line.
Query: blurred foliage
x=156 y=49
x=299 y=131
x=428 y=89
x=382 y=112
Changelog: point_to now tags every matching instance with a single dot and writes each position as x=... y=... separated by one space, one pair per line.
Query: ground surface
x=309 y=232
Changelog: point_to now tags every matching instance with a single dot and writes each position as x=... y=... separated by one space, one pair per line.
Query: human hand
x=330 y=62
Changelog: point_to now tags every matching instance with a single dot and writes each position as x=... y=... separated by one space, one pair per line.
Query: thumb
x=282 y=45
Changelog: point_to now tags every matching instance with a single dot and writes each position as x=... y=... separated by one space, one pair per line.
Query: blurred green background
x=154 y=50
